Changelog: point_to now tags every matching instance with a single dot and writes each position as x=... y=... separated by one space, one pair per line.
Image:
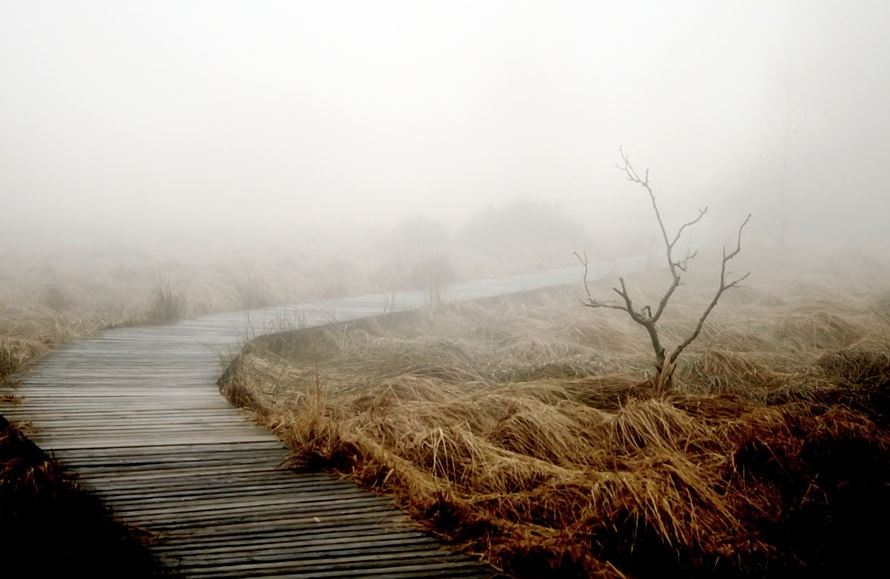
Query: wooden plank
x=194 y=531
x=301 y=558
x=268 y=445
x=284 y=498
x=291 y=540
x=323 y=506
x=43 y=440
x=372 y=517
x=386 y=567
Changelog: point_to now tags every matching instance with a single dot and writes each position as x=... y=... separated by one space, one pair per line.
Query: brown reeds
x=495 y=429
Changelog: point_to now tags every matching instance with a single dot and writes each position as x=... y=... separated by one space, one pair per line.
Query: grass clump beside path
x=522 y=429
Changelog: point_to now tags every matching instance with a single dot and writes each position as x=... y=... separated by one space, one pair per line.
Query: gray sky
x=116 y=116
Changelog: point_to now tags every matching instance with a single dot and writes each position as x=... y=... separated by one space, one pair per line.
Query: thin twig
x=723 y=287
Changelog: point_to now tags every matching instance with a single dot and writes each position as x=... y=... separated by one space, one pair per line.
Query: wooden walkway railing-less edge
x=135 y=415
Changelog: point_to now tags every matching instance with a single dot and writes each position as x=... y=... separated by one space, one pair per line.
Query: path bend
x=135 y=415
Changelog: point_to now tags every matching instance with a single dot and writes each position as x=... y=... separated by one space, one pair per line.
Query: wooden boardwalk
x=136 y=416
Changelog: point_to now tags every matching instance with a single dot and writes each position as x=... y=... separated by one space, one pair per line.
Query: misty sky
x=116 y=116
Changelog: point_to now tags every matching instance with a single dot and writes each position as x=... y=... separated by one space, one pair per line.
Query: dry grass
x=520 y=429
x=52 y=299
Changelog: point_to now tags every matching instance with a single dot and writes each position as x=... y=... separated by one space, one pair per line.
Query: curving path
x=135 y=415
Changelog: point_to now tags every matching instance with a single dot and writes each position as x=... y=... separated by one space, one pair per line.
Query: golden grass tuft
x=820 y=330
x=652 y=425
x=857 y=365
x=722 y=371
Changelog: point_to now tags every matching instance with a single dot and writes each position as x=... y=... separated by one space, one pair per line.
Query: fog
x=211 y=121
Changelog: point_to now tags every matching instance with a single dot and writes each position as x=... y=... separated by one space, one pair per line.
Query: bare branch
x=738 y=282
x=674 y=266
x=590 y=302
x=633 y=176
x=701 y=213
x=627 y=301
x=645 y=316
x=739 y=243
x=605 y=305
x=585 y=263
x=684 y=263
x=723 y=287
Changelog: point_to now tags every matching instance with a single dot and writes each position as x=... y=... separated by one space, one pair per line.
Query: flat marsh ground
x=524 y=428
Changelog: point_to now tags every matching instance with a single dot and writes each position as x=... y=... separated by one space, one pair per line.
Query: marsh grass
x=524 y=430
x=168 y=302
x=11 y=360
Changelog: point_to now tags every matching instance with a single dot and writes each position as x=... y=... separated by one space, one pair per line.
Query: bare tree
x=645 y=316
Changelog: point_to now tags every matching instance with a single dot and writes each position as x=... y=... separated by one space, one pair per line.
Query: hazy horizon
x=268 y=119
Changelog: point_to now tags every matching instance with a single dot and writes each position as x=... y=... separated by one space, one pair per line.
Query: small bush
x=55 y=299
x=252 y=291
x=821 y=330
x=856 y=366
x=167 y=303
x=10 y=360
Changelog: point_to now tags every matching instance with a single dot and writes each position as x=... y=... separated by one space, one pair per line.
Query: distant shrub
x=167 y=303
x=11 y=361
x=336 y=278
x=252 y=291
x=55 y=299
x=418 y=234
x=417 y=256
x=821 y=330
x=857 y=365
x=432 y=273
x=526 y=229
